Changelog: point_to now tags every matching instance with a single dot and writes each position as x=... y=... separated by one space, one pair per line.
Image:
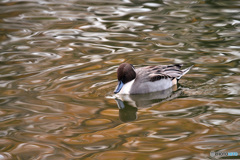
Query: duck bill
x=119 y=87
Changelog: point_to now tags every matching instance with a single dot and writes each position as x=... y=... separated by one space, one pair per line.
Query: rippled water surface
x=58 y=62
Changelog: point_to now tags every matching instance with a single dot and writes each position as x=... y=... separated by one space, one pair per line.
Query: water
x=58 y=62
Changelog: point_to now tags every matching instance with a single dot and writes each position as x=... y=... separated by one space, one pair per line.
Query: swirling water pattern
x=58 y=62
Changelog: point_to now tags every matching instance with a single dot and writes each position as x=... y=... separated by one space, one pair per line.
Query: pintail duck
x=147 y=79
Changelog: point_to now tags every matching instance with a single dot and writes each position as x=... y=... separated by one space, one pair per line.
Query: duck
x=147 y=79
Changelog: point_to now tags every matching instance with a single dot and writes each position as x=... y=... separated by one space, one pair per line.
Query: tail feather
x=184 y=71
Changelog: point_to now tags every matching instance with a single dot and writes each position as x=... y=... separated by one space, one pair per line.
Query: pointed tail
x=184 y=71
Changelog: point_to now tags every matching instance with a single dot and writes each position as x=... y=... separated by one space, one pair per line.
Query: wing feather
x=164 y=72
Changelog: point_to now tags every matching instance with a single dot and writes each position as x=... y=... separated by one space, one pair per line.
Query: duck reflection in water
x=129 y=104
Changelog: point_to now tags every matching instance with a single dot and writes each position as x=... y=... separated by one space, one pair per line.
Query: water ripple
x=58 y=62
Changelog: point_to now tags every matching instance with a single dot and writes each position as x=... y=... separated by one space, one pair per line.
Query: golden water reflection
x=58 y=62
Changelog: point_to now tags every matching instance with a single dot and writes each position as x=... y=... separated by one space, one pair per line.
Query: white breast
x=126 y=87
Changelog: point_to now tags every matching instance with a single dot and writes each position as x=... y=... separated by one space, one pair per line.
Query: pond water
x=58 y=62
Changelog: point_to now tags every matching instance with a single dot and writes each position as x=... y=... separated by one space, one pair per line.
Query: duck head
x=125 y=74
